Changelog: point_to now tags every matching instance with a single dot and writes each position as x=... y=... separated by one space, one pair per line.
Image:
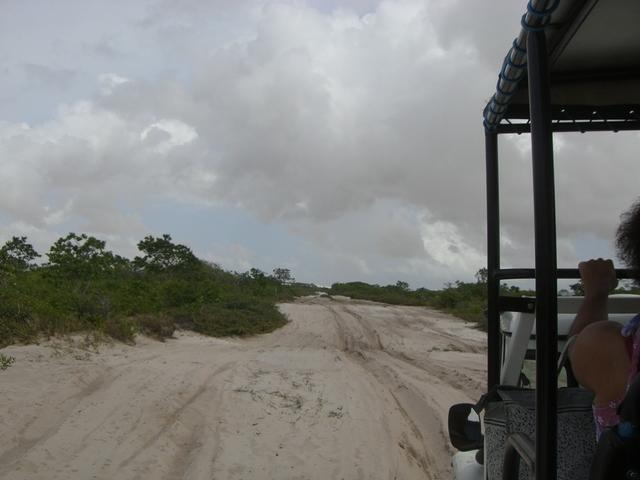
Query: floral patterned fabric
x=606 y=416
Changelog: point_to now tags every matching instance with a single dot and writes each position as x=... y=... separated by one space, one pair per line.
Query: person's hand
x=598 y=277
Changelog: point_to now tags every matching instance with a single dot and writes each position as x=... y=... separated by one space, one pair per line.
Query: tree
x=283 y=275
x=404 y=286
x=82 y=256
x=482 y=275
x=160 y=253
x=256 y=280
x=257 y=274
x=577 y=289
x=17 y=255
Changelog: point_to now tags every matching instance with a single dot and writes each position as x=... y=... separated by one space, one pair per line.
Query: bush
x=123 y=329
x=464 y=300
x=85 y=287
x=159 y=326
x=16 y=323
x=6 y=361
x=238 y=319
x=398 y=294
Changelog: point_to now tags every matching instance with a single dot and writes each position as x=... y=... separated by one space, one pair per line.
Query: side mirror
x=464 y=434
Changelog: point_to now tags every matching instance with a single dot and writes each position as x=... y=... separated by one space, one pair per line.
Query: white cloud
x=89 y=163
x=446 y=246
x=108 y=82
x=164 y=135
x=234 y=257
x=357 y=128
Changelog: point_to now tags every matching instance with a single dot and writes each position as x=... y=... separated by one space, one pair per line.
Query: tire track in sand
x=423 y=419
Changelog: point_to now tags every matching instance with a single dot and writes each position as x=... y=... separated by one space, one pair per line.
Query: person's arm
x=598 y=279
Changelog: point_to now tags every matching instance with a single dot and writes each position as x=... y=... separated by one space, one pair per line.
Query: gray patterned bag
x=515 y=413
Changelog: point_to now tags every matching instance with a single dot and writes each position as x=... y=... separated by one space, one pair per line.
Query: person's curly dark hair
x=628 y=239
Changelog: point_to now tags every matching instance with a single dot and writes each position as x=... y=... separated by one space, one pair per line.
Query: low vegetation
x=466 y=300
x=6 y=361
x=85 y=287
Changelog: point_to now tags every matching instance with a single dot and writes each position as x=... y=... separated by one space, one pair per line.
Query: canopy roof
x=594 y=56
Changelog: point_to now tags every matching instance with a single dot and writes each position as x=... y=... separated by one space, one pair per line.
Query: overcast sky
x=341 y=139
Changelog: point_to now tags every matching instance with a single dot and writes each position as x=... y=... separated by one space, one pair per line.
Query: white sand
x=347 y=390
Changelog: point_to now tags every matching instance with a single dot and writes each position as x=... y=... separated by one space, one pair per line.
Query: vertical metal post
x=493 y=259
x=545 y=256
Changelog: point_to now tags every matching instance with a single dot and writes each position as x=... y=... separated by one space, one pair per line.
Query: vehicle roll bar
x=561 y=273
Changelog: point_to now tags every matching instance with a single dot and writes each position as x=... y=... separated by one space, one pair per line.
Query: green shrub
x=464 y=300
x=123 y=329
x=16 y=324
x=238 y=319
x=397 y=294
x=6 y=361
x=85 y=287
x=158 y=326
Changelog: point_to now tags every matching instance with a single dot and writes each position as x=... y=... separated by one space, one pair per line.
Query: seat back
x=514 y=413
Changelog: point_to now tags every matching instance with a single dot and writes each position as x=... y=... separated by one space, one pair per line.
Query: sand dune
x=347 y=390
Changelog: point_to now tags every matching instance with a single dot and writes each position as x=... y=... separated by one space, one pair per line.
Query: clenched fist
x=598 y=277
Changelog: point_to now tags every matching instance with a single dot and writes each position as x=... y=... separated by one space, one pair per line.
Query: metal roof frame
x=583 y=97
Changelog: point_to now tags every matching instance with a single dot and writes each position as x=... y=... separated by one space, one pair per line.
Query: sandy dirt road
x=347 y=390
